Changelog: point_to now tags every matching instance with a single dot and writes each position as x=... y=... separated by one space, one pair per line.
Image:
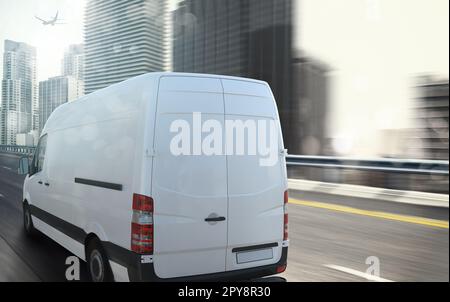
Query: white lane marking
x=357 y=273
x=1 y=195
x=5 y=167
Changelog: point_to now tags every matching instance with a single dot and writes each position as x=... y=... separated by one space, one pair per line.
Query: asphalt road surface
x=331 y=238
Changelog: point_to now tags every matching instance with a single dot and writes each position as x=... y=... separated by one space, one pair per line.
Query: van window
x=39 y=156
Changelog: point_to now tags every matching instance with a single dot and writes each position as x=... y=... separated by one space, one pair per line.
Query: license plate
x=256 y=255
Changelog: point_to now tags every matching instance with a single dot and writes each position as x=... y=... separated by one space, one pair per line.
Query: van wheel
x=97 y=263
x=27 y=220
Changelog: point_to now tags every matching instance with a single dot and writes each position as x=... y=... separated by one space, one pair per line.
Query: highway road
x=330 y=239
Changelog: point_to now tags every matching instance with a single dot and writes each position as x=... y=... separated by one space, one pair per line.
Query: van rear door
x=255 y=186
x=187 y=189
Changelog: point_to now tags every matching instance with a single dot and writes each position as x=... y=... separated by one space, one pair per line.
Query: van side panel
x=100 y=138
x=103 y=152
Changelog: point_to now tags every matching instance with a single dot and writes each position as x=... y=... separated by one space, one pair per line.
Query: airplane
x=51 y=22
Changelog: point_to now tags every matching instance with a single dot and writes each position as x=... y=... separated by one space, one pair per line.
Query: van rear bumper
x=145 y=272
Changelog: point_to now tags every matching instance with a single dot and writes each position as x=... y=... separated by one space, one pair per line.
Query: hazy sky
x=17 y=23
x=374 y=47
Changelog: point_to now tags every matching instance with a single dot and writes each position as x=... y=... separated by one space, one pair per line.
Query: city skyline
x=369 y=44
x=50 y=41
x=26 y=102
x=66 y=87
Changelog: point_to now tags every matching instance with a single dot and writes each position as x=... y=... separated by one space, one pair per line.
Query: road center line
x=403 y=218
x=357 y=273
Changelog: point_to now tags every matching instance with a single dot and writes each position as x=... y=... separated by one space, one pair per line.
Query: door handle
x=47 y=184
x=40 y=182
x=214 y=219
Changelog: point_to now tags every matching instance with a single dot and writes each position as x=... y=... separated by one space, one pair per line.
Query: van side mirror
x=24 y=166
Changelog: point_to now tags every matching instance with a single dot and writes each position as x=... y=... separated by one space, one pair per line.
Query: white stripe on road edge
x=357 y=273
x=365 y=192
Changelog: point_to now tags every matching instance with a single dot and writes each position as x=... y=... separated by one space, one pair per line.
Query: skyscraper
x=310 y=106
x=54 y=92
x=250 y=38
x=73 y=65
x=123 y=39
x=73 y=61
x=19 y=113
x=428 y=139
x=431 y=119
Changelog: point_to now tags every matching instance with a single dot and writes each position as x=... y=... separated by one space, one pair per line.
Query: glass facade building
x=19 y=106
x=123 y=39
x=249 y=38
x=73 y=65
x=54 y=92
x=431 y=118
x=73 y=61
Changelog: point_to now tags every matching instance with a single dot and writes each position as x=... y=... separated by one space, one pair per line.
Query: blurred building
x=73 y=61
x=123 y=39
x=249 y=38
x=309 y=106
x=73 y=65
x=25 y=139
x=431 y=119
x=54 y=92
x=19 y=108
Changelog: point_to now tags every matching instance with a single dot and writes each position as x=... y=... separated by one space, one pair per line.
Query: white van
x=113 y=181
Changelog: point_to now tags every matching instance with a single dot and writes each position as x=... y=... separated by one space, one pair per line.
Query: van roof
x=204 y=75
x=141 y=79
x=153 y=75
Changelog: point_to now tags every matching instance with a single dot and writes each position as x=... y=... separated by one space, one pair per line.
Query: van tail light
x=281 y=268
x=142 y=225
x=285 y=224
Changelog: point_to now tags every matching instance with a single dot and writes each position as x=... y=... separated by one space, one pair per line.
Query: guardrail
x=25 y=150
x=413 y=166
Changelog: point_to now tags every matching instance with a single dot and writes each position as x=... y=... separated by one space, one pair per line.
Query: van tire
x=98 y=266
x=28 y=221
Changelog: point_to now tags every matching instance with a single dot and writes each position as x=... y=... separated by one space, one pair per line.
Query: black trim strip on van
x=254 y=247
x=74 y=232
x=116 y=253
x=96 y=183
x=138 y=271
